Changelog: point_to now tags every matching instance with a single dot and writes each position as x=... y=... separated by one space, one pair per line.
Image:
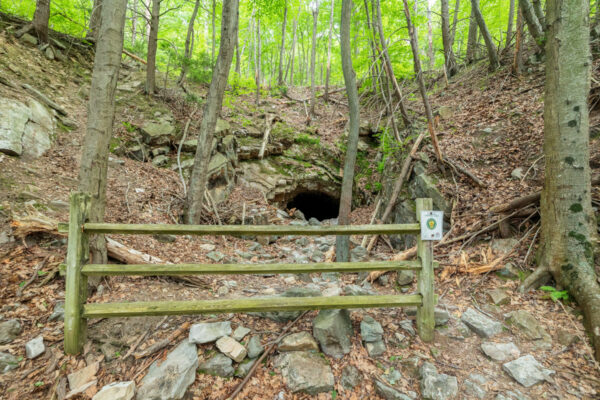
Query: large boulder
x=480 y=323
x=13 y=117
x=333 y=330
x=435 y=386
x=25 y=130
x=305 y=372
x=169 y=379
x=157 y=133
x=527 y=371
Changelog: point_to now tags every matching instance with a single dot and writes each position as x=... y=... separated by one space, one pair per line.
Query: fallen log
x=136 y=58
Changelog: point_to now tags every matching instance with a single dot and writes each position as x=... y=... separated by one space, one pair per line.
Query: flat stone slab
x=8 y=362
x=388 y=392
x=240 y=333
x=79 y=378
x=527 y=324
x=500 y=351
x=305 y=372
x=218 y=365
x=480 y=323
x=435 y=386
x=498 y=296
x=301 y=341
x=527 y=371
x=231 y=348
x=208 y=332
x=116 y=391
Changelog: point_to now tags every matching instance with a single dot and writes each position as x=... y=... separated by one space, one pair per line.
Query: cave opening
x=315 y=204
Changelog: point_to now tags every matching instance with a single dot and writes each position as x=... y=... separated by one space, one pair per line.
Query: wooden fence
x=78 y=311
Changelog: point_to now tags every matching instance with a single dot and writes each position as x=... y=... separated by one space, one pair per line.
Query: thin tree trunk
x=449 y=61
x=282 y=48
x=328 y=74
x=258 y=57
x=454 y=22
x=518 y=58
x=487 y=37
x=214 y=40
x=414 y=44
x=95 y=20
x=134 y=23
x=40 y=20
x=389 y=69
x=188 y=38
x=313 y=57
x=100 y=116
x=533 y=23
x=430 y=51
x=343 y=242
x=212 y=109
x=237 y=59
x=472 y=38
x=148 y=19
x=511 y=18
x=372 y=39
x=152 y=47
x=568 y=223
x=290 y=66
x=539 y=13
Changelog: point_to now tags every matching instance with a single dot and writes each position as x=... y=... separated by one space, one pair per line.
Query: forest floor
x=492 y=125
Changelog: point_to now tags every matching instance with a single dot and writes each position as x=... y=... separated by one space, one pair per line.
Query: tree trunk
x=414 y=44
x=343 y=242
x=188 y=38
x=539 y=13
x=40 y=20
x=290 y=65
x=212 y=109
x=518 y=58
x=238 y=65
x=152 y=46
x=214 y=40
x=532 y=22
x=449 y=61
x=430 y=51
x=134 y=23
x=148 y=19
x=95 y=20
x=328 y=74
x=257 y=60
x=454 y=22
x=472 y=40
x=568 y=223
x=372 y=39
x=511 y=17
x=282 y=48
x=100 y=116
x=389 y=69
x=313 y=57
x=489 y=43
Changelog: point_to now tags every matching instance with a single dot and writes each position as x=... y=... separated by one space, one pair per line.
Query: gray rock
x=35 y=347
x=503 y=246
x=370 y=330
x=164 y=238
x=440 y=315
x=255 y=348
x=207 y=332
x=463 y=330
x=109 y=351
x=305 y=372
x=333 y=330
x=160 y=160
x=435 y=386
x=216 y=256
x=404 y=278
x=242 y=370
x=169 y=379
x=157 y=133
x=517 y=173
x=13 y=118
x=498 y=296
x=392 y=376
x=566 y=338
x=500 y=351
x=284 y=316
x=314 y=222
x=300 y=341
x=527 y=324
x=512 y=395
x=30 y=39
x=509 y=271
x=355 y=290
x=82 y=377
x=351 y=377
x=375 y=349
x=240 y=333
x=358 y=254
x=231 y=348
x=424 y=186
x=388 y=392
x=480 y=323
x=527 y=371
x=407 y=325
x=8 y=362
x=218 y=365
x=472 y=386
x=116 y=391
x=58 y=314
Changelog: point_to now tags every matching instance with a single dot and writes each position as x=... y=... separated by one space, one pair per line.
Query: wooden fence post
x=76 y=283
x=425 y=280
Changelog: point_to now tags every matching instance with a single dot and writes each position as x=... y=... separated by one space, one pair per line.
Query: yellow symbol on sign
x=431 y=223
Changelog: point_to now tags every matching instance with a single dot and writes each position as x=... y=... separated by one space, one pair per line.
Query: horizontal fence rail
x=77 y=311
x=246 y=230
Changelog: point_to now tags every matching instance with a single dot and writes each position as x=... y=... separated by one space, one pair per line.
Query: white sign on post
x=431 y=225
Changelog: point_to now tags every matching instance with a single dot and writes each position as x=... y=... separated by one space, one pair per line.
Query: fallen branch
x=136 y=58
x=265 y=140
x=364 y=241
x=142 y=337
x=161 y=344
x=243 y=383
x=34 y=275
x=185 y=131
x=43 y=98
x=464 y=171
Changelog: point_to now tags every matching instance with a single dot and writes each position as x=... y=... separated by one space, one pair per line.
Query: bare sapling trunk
x=430 y=51
x=454 y=22
x=282 y=48
x=290 y=66
x=329 y=39
x=343 y=242
x=472 y=39
x=533 y=23
x=487 y=37
x=449 y=61
x=518 y=57
x=257 y=61
x=152 y=48
x=414 y=44
x=568 y=223
x=41 y=16
x=187 y=53
x=134 y=22
x=511 y=18
x=95 y=20
x=214 y=32
x=212 y=109
x=100 y=116
x=313 y=57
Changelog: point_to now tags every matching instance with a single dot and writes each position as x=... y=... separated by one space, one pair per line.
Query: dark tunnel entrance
x=315 y=204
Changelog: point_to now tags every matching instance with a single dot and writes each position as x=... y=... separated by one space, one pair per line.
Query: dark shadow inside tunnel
x=315 y=204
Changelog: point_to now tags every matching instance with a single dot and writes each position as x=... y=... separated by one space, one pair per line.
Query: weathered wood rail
x=77 y=310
